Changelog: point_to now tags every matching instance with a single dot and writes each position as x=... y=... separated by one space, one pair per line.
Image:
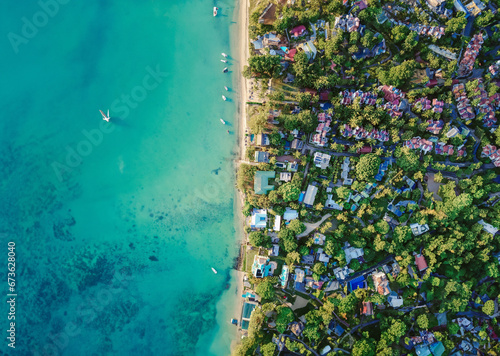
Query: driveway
x=312 y=227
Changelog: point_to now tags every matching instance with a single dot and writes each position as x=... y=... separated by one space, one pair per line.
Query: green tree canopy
x=367 y=166
x=423 y=322
x=489 y=307
x=285 y=317
x=266 y=65
x=257 y=238
x=258 y=123
x=364 y=347
x=265 y=290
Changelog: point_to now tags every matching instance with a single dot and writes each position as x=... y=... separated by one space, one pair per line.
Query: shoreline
x=243 y=55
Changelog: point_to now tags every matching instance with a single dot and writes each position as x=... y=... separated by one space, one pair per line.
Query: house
x=420 y=262
x=268 y=16
x=261 y=157
x=311 y=192
x=307 y=259
x=342 y=273
x=319 y=239
x=299 y=280
x=285 y=176
x=418 y=229
x=321 y=160
x=261 y=181
x=331 y=204
x=367 y=308
x=309 y=49
x=274 y=250
x=488 y=227
x=452 y=132
x=443 y=52
x=293 y=166
x=332 y=286
x=297 y=144
x=345 y=172
x=469 y=57
x=381 y=283
x=434 y=349
x=393 y=209
x=290 y=214
x=284 y=276
x=259 y=219
x=262 y=139
x=395 y=300
x=322 y=257
x=299 y=275
x=365 y=149
x=358 y=282
x=297 y=327
x=277 y=223
x=298 y=31
x=352 y=253
x=261 y=267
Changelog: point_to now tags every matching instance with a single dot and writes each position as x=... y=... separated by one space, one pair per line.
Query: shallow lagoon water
x=117 y=226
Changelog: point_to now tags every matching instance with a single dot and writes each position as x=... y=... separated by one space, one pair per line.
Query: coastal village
x=371 y=178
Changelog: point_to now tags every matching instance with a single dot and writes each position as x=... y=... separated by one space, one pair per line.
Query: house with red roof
x=420 y=262
x=298 y=31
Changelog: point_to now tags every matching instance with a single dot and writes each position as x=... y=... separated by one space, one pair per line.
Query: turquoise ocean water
x=117 y=226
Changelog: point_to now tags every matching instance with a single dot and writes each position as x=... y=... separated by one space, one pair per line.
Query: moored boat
x=215 y=10
x=223 y=61
x=226 y=88
x=104 y=116
x=223 y=122
x=224 y=70
x=224 y=98
x=214 y=270
x=234 y=321
x=223 y=54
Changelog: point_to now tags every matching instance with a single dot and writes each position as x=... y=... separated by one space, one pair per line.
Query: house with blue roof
x=358 y=282
x=335 y=328
x=258 y=219
x=393 y=209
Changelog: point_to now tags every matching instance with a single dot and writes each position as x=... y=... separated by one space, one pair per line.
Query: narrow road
x=302 y=342
x=312 y=227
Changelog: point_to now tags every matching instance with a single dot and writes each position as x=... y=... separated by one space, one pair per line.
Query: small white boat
x=215 y=10
x=224 y=70
x=104 y=116
x=214 y=270
x=224 y=98
x=223 y=122
x=223 y=61
x=227 y=89
x=224 y=55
